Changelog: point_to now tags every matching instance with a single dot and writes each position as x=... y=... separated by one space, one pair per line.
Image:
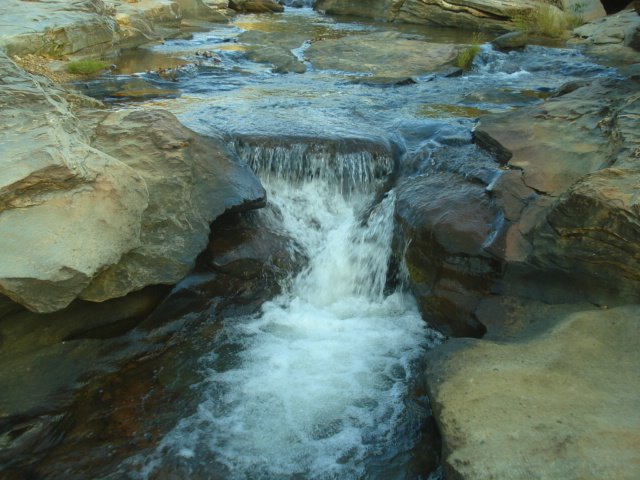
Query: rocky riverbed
x=139 y=232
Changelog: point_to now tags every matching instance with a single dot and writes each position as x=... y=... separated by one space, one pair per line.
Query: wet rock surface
x=557 y=222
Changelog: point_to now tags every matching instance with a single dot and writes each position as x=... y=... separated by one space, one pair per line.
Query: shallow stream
x=324 y=380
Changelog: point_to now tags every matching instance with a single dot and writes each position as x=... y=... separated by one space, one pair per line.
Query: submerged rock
x=561 y=403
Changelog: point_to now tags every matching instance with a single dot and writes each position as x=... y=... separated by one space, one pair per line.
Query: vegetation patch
x=465 y=57
x=86 y=67
x=549 y=21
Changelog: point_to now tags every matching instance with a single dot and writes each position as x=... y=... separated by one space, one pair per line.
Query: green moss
x=86 y=67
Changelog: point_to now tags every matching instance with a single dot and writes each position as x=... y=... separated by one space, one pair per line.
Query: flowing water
x=318 y=386
x=321 y=382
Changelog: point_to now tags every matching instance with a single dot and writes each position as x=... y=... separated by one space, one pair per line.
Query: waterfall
x=348 y=165
x=316 y=385
x=299 y=3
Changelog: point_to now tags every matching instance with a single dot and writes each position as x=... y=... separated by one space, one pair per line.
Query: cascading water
x=318 y=384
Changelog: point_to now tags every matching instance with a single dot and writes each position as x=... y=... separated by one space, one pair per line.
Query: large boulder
x=472 y=14
x=103 y=217
x=66 y=209
x=56 y=27
x=445 y=223
x=191 y=180
x=555 y=218
x=572 y=214
x=59 y=28
x=561 y=403
x=615 y=38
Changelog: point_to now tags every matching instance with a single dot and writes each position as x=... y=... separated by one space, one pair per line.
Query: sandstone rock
x=191 y=180
x=145 y=22
x=56 y=27
x=593 y=231
x=558 y=222
x=256 y=6
x=613 y=38
x=539 y=147
x=471 y=14
x=75 y=219
x=557 y=404
x=377 y=9
x=66 y=209
x=587 y=10
x=511 y=40
x=211 y=10
x=388 y=54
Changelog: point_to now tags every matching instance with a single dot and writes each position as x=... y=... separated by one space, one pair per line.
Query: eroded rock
x=191 y=180
x=557 y=222
x=556 y=404
x=101 y=220
x=66 y=209
x=472 y=14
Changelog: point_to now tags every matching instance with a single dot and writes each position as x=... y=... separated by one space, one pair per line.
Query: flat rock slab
x=55 y=27
x=385 y=54
x=562 y=404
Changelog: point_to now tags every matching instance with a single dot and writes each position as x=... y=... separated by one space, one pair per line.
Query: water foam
x=317 y=383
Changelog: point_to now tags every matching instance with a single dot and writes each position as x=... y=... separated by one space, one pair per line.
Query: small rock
x=511 y=41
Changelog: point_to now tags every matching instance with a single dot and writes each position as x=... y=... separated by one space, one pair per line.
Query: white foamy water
x=316 y=384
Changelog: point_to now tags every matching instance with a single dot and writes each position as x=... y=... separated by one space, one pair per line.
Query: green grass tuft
x=86 y=67
x=548 y=20
x=465 y=57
